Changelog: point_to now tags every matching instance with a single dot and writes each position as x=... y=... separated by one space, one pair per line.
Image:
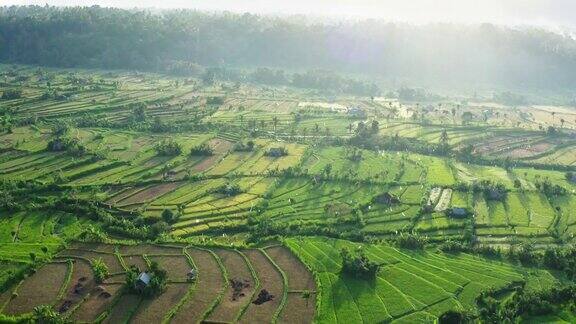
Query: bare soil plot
x=81 y=283
x=136 y=260
x=299 y=277
x=101 y=297
x=210 y=284
x=176 y=266
x=121 y=312
x=111 y=260
x=528 y=151
x=154 y=310
x=149 y=194
x=206 y=163
x=41 y=288
x=233 y=301
x=298 y=309
x=219 y=147
x=5 y=296
x=122 y=194
x=149 y=249
x=271 y=281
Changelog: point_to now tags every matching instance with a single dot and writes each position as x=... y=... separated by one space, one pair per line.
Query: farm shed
x=192 y=275
x=143 y=280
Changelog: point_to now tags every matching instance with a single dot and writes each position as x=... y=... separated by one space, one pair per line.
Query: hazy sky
x=554 y=13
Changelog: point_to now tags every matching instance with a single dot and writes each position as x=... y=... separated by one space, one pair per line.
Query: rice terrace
x=151 y=173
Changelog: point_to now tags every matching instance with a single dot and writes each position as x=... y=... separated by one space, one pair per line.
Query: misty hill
x=184 y=40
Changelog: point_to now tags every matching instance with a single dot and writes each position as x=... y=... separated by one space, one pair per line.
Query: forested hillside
x=183 y=41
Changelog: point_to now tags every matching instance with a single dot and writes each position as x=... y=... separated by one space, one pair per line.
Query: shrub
x=46 y=314
x=456 y=317
x=11 y=94
x=244 y=147
x=201 y=150
x=411 y=241
x=276 y=152
x=168 y=147
x=71 y=145
x=551 y=190
x=100 y=270
x=168 y=216
x=451 y=246
x=358 y=264
x=229 y=189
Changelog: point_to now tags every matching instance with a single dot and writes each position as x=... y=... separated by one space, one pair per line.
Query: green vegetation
x=153 y=284
x=100 y=270
x=409 y=207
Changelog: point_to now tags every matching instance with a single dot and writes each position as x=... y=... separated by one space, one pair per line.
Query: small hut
x=143 y=280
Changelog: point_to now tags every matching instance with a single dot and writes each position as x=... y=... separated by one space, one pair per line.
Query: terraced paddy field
x=410 y=287
x=67 y=283
x=244 y=194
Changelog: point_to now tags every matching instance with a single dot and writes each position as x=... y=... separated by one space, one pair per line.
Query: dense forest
x=186 y=41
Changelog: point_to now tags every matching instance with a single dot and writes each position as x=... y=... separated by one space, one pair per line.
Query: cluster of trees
x=413 y=240
x=156 y=286
x=276 y=152
x=170 y=216
x=180 y=41
x=168 y=147
x=561 y=259
x=201 y=150
x=318 y=79
x=10 y=94
x=262 y=229
x=550 y=189
x=62 y=141
x=358 y=265
x=229 y=189
x=415 y=94
x=571 y=176
x=490 y=189
x=244 y=146
x=71 y=145
x=525 y=302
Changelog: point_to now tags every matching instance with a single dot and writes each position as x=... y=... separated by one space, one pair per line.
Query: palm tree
x=275 y=122
x=562 y=121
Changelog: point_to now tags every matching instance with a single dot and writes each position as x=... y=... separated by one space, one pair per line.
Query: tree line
x=182 y=41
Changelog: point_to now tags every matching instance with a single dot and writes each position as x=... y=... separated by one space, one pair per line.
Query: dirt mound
x=65 y=306
x=263 y=296
x=238 y=286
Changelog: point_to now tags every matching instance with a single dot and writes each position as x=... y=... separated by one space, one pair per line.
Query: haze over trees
x=185 y=41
